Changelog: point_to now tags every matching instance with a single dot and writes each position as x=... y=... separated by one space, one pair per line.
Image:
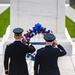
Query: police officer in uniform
x=16 y=52
x=46 y=57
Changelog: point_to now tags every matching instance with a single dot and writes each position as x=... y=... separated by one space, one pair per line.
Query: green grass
x=73 y=6
x=4 y=21
x=70 y=27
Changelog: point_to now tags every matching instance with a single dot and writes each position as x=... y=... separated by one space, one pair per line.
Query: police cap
x=18 y=31
x=49 y=37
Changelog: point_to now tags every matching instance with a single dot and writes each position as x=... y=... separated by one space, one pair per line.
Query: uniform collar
x=18 y=40
x=48 y=46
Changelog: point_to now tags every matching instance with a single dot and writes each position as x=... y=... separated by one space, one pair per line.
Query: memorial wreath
x=37 y=29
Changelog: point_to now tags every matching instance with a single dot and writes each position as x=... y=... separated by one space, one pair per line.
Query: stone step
x=66 y=65
x=1 y=50
x=1 y=64
x=73 y=50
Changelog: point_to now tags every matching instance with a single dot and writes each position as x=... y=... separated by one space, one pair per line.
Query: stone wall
x=8 y=1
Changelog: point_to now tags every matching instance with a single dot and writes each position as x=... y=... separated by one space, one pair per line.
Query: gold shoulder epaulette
x=8 y=45
x=28 y=44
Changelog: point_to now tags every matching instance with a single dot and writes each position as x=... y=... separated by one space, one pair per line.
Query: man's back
x=47 y=59
x=17 y=52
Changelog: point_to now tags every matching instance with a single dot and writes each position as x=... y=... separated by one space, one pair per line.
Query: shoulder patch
x=8 y=45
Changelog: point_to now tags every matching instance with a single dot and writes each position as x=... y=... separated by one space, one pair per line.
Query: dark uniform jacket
x=46 y=60
x=17 y=52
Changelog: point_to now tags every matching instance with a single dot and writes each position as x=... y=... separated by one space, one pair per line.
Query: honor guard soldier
x=46 y=57
x=16 y=52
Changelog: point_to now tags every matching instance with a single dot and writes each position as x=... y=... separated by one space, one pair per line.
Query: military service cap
x=18 y=31
x=49 y=37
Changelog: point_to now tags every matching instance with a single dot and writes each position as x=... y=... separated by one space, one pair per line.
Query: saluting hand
x=55 y=42
x=24 y=39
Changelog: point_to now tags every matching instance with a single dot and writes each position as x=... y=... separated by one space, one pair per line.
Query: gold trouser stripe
x=34 y=72
x=6 y=70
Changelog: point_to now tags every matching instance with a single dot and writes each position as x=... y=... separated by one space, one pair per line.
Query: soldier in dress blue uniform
x=46 y=57
x=16 y=52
